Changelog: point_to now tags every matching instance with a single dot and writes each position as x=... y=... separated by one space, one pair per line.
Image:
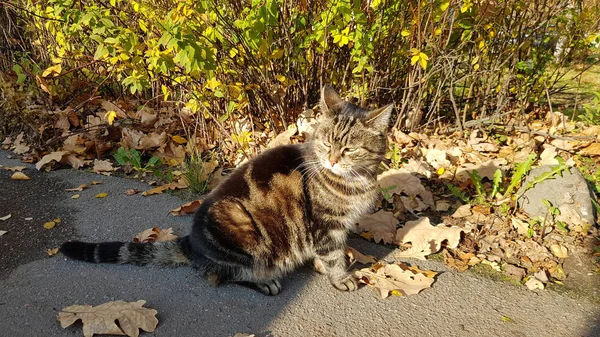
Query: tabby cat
x=289 y=205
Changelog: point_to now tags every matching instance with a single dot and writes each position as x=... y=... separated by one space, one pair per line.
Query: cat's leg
x=270 y=288
x=333 y=264
x=244 y=277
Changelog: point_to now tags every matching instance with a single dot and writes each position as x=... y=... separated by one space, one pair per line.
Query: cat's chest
x=346 y=210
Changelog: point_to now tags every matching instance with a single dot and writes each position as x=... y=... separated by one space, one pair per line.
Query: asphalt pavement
x=35 y=286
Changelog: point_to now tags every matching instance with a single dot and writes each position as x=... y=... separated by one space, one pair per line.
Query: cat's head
x=349 y=140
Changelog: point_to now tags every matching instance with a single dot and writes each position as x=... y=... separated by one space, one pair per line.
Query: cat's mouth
x=335 y=168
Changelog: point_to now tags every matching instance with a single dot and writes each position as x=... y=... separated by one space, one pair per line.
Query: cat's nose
x=333 y=160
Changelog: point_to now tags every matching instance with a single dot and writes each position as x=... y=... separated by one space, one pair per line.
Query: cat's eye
x=351 y=150
x=326 y=144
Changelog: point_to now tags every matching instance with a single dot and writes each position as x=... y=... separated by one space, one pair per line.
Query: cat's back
x=277 y=168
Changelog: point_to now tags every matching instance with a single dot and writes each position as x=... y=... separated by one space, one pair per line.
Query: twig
x=72 y=133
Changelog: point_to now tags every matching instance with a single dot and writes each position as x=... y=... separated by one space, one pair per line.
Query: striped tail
x=167 y=253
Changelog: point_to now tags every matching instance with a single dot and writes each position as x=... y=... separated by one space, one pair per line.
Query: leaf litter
x=412 y=187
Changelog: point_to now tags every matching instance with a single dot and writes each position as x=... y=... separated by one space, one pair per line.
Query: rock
x=514 y=272
x=569 y=192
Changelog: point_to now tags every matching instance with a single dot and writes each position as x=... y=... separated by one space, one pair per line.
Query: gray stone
x=569 y=193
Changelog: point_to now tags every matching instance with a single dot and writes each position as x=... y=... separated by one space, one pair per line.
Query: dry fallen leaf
x=559 y=251
x=239 y=334
x=62 y=157
x=359 y=257
x=49 y=224
x=534 y=284
x=96 y=183
x=19 y=176
x=75 y=196
x=155 y=235
x=102 y=195
x=381 y=225
x=77 y=189
x=132 y=191
x=52 y=251
x=179 y=139
x=102 y=166
x=425 y=238
x=190 y=207
x=13 y=168
x=181 y=183
x=392 y=278
x=592 y=150
x=402 y=182
x=102 y=319
x=283 y=138
x=3 y=232
x=6 y=217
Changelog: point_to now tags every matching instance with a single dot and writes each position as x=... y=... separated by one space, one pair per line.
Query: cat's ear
x=379 y=118
x=330 y=100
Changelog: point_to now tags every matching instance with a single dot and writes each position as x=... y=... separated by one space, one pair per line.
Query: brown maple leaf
x=381 y=225
x=155 y=235
x=394 y=279
x=425 y=238
x=62 y=157
x=414 y=196
x=102 y=319
x=102 y=166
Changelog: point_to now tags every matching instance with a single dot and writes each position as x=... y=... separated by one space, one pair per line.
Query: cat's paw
x=348 y=283
x=270 y=288
x=319 y=266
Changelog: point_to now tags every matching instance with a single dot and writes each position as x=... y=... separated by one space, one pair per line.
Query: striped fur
x=287 y=206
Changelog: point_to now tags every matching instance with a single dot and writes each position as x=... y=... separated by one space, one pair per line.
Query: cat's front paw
x=270 y=288
x=348 y=283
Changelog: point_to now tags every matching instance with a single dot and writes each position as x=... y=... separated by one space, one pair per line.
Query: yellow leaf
x=49 y=225
x=110 y=117
x=414 y=60
x=102 y=195
x=441 y=171
x=366 y=235
x=476 y=67
x=277 y=54
x=52 y=251
x=405 y=33
x=445 y=5
x=179 y=139
x=55 y=69
x=395 y=293
x=19 y=176
x=280 y=78
x=143 y=26
x=75 y=196
x=57 y=220
x=423 y=60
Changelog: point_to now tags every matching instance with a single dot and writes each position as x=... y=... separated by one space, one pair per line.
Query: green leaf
x=458 y=193
x=496 y=182
x=521 y=169
x=101 y=51
x=477 y=182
